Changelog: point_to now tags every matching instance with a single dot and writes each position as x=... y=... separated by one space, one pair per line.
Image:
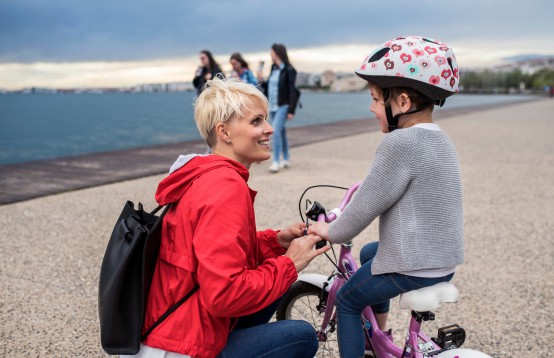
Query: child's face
x=378 y=109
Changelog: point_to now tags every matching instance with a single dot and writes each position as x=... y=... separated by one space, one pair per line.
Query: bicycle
x=312 y=298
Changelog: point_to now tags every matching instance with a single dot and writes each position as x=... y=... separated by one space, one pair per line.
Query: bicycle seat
x=429 y=298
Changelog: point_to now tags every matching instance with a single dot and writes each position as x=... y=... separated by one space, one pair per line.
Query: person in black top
x=280 y=89
x=205 y=72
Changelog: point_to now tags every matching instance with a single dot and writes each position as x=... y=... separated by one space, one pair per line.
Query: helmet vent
x=450 y=63
x=431 y=41
x=379 y=54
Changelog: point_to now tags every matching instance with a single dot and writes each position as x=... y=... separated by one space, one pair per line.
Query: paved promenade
x=51 y=247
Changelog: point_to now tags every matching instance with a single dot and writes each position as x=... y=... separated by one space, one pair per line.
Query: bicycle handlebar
x=331 y=215
x=318 y=212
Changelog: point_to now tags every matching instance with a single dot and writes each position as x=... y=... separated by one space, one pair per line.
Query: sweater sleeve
x=386 y=182
x=226 y=245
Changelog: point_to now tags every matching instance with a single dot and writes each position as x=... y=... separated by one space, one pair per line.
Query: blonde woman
x=209 y=238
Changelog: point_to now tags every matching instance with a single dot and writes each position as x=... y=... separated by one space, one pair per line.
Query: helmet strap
x=393 y=120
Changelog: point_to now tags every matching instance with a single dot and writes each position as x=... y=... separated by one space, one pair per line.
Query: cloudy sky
x=68 y=43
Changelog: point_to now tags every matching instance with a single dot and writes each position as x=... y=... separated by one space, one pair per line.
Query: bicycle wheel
x=302 y=302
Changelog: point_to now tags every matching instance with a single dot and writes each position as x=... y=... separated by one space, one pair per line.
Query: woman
x=209 y=238
x=413 y=186
x=281 y=91
x=241 y=70
x=206 y=71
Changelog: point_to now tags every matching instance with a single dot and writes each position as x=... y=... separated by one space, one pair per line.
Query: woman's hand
x=260 y=75
x=302 y=251
x=320 y=229
x=289 y=116
x=284 y=237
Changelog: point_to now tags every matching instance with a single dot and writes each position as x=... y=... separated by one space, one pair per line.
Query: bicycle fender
x=317 y=280
x=462 y=353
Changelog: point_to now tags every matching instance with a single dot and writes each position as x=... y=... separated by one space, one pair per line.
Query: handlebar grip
x=320 y=244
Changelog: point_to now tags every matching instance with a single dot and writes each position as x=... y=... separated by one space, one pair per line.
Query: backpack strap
x=169 y=311
x=177 y=304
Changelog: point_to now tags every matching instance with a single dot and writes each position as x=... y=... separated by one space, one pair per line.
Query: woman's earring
x=228 y=141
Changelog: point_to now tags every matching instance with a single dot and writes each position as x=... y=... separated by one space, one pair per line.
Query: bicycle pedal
x=452 y=336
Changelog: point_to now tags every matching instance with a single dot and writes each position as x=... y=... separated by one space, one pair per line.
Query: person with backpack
x=413 y=186
x=280 y=89
x=209 y=239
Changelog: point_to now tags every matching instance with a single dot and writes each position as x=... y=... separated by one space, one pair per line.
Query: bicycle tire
x=300 y=303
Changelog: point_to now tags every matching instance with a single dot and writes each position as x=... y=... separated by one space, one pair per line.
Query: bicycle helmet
x=423 y=64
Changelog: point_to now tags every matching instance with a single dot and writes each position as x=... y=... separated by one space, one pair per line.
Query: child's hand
x=320 y=229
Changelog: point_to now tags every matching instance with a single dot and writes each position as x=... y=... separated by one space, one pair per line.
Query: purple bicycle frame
x=380 y=343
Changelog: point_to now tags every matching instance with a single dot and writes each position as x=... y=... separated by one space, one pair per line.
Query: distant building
x=327 y=78
x=350 y=83
x=528 y=66
x=304 y=79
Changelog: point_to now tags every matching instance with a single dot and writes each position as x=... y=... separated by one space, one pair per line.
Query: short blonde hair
x=220 y=101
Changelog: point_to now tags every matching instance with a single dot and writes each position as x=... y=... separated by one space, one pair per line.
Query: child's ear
x=405 y=102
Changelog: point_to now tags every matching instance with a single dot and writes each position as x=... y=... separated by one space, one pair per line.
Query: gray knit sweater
x=414 y=187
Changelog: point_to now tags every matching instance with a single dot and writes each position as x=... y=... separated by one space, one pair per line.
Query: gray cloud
x=68 y=30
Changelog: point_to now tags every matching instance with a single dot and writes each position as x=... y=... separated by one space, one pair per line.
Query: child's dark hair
x=416 y=97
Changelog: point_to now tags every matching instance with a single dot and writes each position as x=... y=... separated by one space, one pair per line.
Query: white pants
x=149 y=352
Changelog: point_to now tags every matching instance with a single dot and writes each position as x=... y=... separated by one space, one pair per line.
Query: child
x=414 y=186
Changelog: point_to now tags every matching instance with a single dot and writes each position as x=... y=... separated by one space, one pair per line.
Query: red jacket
x=209 y=237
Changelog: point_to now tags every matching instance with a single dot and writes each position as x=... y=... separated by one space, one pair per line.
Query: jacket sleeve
x=293 y=94
x=199 y=81
x=226 y=246
x=269 y=247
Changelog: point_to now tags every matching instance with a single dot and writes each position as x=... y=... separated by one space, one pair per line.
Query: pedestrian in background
x=241 y=69
x=280 y=90
x=206 y=71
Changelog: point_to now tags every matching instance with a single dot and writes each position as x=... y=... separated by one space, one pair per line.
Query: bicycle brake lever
x=321 y=243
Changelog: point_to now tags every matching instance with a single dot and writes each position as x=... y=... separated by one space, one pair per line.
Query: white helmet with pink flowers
x=425 y=65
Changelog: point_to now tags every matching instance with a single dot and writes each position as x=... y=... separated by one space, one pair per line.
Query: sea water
x=44 y=126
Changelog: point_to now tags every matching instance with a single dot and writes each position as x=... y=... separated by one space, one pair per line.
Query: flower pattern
x=430 y=50
x=396 y=47
x=405 y=58
x=434 y=80
x=424 y=63
x=440 y=60
x=446 y=74
x=416 y=59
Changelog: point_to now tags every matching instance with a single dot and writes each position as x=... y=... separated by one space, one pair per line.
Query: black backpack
x=125 y=278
